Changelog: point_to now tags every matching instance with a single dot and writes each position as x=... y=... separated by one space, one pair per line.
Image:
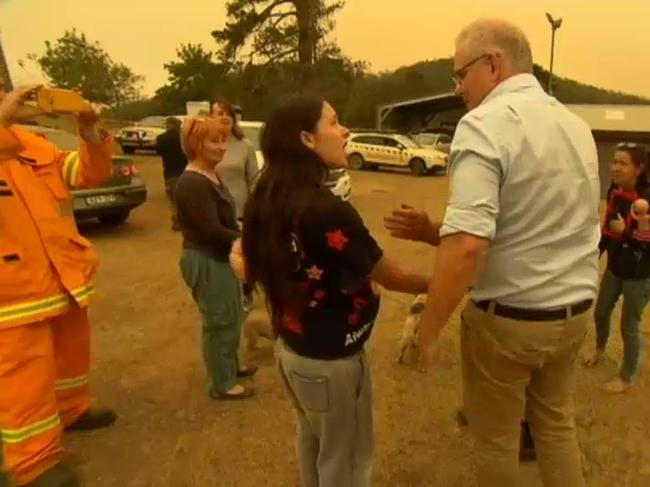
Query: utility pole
x=555 y=25
x=5 y=78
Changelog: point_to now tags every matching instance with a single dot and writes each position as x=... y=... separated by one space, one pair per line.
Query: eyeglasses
x=459 y=75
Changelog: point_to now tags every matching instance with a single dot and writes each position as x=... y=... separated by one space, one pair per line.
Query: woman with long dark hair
x=316 y=262
x=206 y=217
x=628 y=260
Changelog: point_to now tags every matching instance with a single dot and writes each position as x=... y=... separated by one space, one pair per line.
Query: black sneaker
x=59 y=475
x=93 y=419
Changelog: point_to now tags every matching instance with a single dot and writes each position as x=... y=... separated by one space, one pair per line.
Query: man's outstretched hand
x=410 y=223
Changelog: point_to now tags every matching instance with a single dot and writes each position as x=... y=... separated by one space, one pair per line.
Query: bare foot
x=617 y=386
x=593 y=359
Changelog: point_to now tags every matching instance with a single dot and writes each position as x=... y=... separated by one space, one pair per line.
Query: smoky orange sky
x=601 y=42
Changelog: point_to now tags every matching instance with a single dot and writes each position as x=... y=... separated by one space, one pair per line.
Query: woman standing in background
x=628 y=260
x=238 y=169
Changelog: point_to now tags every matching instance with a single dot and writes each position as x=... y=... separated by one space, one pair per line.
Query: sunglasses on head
x=627 y=145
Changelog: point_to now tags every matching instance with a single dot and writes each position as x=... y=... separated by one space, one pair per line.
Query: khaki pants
x=514 y=369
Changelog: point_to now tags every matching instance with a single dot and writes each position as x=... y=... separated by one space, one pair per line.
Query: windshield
x=253 y=135
x=425 y=139
x=158 y=122
x=409 y=143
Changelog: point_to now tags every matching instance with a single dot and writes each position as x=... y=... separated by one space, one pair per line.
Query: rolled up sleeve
x=476 y=172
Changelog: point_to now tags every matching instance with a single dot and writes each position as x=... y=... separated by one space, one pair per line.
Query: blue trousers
x=635 y=297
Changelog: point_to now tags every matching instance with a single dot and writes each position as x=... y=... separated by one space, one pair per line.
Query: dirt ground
x=147 y=365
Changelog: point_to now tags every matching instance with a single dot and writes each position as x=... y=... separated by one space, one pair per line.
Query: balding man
x=520 y=230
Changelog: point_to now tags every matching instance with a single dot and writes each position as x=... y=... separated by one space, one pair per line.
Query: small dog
x=257 y=322
x=408 y=344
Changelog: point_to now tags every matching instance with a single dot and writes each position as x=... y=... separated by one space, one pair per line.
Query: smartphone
x=59 y=100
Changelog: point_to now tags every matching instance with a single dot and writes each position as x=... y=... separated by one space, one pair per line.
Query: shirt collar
x=516 y=83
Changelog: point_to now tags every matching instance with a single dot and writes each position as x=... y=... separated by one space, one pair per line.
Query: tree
x=193 y=75
x=278 y=31
x=74 y=62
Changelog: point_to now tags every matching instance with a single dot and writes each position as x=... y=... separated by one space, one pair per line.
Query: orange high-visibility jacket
x=44 y=262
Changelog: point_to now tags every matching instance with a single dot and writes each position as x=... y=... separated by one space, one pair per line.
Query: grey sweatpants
x=333 y=399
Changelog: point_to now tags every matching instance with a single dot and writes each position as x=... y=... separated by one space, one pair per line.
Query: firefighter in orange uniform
x=46 y=271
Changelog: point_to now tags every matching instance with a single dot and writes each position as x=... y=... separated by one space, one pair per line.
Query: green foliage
x=74 y=62
x=275 y=31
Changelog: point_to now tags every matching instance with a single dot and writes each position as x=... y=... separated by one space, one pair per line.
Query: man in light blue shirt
x=521 y=230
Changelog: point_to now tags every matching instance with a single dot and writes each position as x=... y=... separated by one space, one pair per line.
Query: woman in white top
x=238 y=169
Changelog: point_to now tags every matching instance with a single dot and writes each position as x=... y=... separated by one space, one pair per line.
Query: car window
x=445 y=139
x=158 y=122
x=391 y=142
x=408 y=142
x=425 y=139
x=63 y=140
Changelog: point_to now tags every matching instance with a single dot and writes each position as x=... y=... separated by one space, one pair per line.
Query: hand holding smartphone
x=59 y=100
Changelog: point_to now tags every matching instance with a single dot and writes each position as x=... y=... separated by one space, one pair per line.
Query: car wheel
x=356 y=162
x=128 y=150
x=114 y=219
x=417 y=167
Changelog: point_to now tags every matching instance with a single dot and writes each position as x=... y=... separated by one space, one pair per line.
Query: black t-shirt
x=168 y=146
x=206 y=215
x=335 y=255
x=628 y=254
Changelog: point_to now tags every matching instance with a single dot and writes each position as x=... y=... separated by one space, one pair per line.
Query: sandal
x=233 y=396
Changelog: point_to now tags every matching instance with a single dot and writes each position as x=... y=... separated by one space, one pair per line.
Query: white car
x=376 y=149
x=338 y=180
x=441 y=142
x=143 y=134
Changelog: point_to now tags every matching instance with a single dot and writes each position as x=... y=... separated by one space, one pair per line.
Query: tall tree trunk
x=306 y=10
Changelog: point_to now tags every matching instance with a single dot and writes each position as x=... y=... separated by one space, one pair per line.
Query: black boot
x=58 y=476
x=93 y=419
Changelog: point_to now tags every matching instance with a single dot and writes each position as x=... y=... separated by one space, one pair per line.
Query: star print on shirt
x=314 y=273
x=290 y=323
x=337 y=239
x=354 y=318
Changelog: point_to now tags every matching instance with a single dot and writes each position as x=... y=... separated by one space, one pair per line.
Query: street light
x=555 y=25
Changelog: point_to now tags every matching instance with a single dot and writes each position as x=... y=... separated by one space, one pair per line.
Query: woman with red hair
x=207 y=220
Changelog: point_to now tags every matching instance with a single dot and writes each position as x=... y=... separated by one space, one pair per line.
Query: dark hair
x=230 y=109
x=291 y=174
x=639 y=155
x=173 y=123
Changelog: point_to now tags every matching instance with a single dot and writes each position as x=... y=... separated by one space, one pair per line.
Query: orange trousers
x=43 y=388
